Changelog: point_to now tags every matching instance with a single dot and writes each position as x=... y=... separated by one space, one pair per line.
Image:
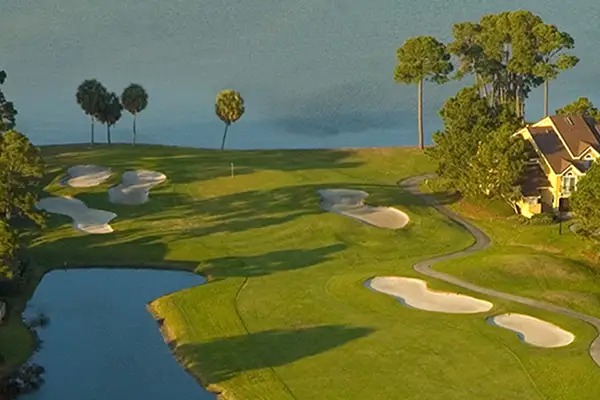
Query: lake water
x=314 y=73
x=101 y=342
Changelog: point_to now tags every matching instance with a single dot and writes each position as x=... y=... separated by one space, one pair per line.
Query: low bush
x=537 y=219
x=542 y=219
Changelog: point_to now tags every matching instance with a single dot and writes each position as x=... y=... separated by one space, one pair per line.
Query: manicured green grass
x=286 y=314
x=533 y=261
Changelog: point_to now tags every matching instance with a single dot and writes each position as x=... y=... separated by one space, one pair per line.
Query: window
x=569 y=182
x=587 y=160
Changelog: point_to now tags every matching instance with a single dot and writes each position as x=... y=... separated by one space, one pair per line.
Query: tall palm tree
x=89 y=96
x=134 y=99
x=229 y=107
x=422 y=58
x=109 y=112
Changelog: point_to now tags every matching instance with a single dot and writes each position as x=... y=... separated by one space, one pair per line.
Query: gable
x=589 y=154
x=577 y=133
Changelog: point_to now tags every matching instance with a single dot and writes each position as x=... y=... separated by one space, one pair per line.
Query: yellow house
x=561 y=149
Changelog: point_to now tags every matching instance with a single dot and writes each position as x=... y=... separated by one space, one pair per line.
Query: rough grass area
x=285 y=314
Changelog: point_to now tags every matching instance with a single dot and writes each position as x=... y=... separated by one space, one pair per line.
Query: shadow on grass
x=186 y=165
x=222 y=359
x=267 y=263
x=182 y=217
x=142 y=233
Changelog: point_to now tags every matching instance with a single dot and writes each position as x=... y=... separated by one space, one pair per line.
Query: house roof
x=532 y=179
x=578 y=132
x=551 y=147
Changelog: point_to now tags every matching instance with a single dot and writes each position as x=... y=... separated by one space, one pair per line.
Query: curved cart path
x=482 y=242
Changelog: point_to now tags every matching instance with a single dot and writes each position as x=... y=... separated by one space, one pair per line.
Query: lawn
x=285 y=314
x=534 y=261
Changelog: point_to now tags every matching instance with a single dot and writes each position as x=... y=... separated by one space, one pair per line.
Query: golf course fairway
x=285 y=313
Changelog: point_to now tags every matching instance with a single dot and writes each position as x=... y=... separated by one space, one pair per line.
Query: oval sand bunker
x=534 y=331
x=135 y=188
x=86 y=176
x=415 y=293
x=85 y=219
x=349 y=203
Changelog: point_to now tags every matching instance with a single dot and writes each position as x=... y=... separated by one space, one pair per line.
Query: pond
x=101 y=342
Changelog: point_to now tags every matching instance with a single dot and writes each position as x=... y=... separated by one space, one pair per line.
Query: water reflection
x=101 y=343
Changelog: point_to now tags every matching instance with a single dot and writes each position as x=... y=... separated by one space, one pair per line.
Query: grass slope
x=533 y=261
x=285 y=315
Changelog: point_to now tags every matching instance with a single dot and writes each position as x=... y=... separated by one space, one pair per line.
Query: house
x=560 y=151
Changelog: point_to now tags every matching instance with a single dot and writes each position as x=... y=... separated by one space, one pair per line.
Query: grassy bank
x=540 y=261
x=285 y=314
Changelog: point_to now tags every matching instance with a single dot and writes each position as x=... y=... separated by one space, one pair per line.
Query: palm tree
x=229 y=108
x=134 y=99
x=552 y=45
x=88 y=96
x=422 y=58
x=109 y=112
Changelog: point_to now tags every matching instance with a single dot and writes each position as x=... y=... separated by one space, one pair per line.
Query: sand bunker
x=349 y=203
x=85 y=219
x=415 y=293
x=85 y=176
x=135 y=187
x=534 y=331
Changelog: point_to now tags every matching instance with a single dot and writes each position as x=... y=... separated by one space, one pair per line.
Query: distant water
x=101 y=343
x=314 y=73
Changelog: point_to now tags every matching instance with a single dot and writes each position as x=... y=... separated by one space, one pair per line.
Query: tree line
x=506 y=54
x=21 y=172
x=106 y=107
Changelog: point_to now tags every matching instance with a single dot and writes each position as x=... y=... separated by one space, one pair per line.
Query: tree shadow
x=67 y=248
x=445 y=197
x=222 y=359
x=172 y=216
x=268 y=263
x=186 y=165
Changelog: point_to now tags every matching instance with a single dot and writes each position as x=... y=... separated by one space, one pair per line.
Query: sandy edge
x=75 y=208
x=170 y=340
x=564 y=337
x=350 y=203
x=394 y=288
x=135 y=187
x=95 y=175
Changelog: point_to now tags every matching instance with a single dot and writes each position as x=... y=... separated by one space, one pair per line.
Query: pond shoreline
x=170 y=340
x=16 y=306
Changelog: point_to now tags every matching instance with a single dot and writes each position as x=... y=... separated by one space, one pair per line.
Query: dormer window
x=588 y=160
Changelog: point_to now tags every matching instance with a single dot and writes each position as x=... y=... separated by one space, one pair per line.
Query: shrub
x=537 y=219
x=542 y=219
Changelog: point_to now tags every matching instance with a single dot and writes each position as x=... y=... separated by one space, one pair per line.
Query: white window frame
x=571 y=178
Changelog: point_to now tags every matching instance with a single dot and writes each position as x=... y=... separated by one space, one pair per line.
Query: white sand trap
x=534 y=331
x=415 y=293
x=135 y=187
x=85 y=219
x=349 y=203
x=86 y=176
